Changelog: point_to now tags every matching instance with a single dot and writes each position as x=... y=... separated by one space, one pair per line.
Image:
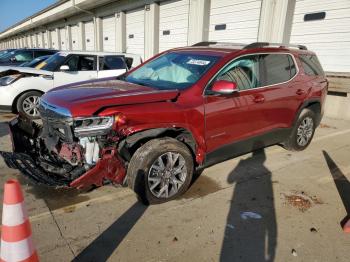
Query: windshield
x=53 y=62
x=172 y=70
x=34 y=62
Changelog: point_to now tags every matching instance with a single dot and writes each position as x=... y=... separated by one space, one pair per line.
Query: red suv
x=180 y=111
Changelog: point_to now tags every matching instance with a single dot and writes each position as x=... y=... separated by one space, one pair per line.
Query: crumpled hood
x=25 y=70
x=87 y=98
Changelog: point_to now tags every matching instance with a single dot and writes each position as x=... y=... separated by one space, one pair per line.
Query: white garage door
x=108 y=33
x=33 y=40
x=234 y=20
x=28 y=41
x=135 y=32
x=63 y=38
x=173 y=24
x=40 y=40
x=89 y=36
x=46 y=41
x=54 y=39
x=23 y=41
x=75 y=37
x=323 y=26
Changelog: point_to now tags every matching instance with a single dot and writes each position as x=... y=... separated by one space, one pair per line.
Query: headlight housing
x=92 y=126
x=7 y=80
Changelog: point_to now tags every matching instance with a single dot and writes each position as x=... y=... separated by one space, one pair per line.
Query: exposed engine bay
x=67 y=152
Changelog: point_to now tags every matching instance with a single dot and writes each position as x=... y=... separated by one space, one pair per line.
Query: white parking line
x=331 y=135
x=66 y=209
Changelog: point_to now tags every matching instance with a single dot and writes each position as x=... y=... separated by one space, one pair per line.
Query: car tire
x=302 y=132
x=148 y=179
x=28 y=104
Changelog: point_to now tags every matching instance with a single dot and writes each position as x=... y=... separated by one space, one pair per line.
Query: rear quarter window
x=112 y=63
x=279 y=68
x=311 y=65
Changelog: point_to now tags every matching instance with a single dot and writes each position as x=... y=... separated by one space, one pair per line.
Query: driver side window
x=243 y=71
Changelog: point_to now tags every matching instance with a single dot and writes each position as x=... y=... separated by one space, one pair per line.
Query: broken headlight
x=92 y=126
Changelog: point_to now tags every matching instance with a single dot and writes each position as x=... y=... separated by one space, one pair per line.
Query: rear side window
x=112 y=63
x=311 y=65
x=279 y=68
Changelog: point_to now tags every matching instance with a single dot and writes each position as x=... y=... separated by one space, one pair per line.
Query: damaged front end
x=66 y=151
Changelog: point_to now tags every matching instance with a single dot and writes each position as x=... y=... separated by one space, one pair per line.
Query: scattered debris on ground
x=313 y=230
x=248 y=215
x=294 y=252
x=326 y=126
x=301 y=200
x=175 y=239
x=230 y=226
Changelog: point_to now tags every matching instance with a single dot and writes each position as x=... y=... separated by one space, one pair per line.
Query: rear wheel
x=160 y=170
x=28 y=104
x=303 y=131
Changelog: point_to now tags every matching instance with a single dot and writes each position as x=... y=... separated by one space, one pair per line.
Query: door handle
x=259 y=99
x=300 y=92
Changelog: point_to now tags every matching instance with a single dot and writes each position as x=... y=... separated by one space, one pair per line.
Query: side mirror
x=64 y=68
x=13 y=59
x=224 y=87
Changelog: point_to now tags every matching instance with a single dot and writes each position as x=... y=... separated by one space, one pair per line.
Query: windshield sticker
x=198 y=62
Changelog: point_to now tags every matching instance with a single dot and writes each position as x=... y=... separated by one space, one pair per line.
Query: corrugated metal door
x=54 y=39
x=40 y=40
x=75 y=37
x=108 y=33
x=63 y=38
x=28 y=41
x=89 y=36
x=323 y=26
x=173 y=24
x=234 y=21
x=32 y=37
x=46 y=41
x=23 y=41
x=135 y=32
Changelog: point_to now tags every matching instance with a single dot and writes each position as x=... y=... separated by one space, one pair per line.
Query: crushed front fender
x=29 y=159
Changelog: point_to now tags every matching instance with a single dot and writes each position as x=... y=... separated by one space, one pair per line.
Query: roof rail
x=205 y=43
x=264 y=44
x=214 y=43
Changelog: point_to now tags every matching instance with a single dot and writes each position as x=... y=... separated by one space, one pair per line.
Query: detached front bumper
x=29 y=159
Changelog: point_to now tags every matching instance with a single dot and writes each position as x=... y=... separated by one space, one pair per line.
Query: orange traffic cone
x=16 y=234
x=346 y=227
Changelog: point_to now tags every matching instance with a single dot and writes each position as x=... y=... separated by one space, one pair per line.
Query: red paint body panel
x=108 y=167
x=214 y=121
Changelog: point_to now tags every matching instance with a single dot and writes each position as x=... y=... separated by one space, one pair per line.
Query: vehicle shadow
x=106 y=243
x=342 y=184
x=251 y=227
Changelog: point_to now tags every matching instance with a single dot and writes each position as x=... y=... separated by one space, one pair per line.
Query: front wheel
x=28 y=104
x=160 y=170
x=303 y=131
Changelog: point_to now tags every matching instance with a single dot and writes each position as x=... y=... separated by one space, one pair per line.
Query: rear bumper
x=26 y=157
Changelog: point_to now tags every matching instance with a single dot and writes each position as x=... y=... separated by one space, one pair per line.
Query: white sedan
x=21 y=88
